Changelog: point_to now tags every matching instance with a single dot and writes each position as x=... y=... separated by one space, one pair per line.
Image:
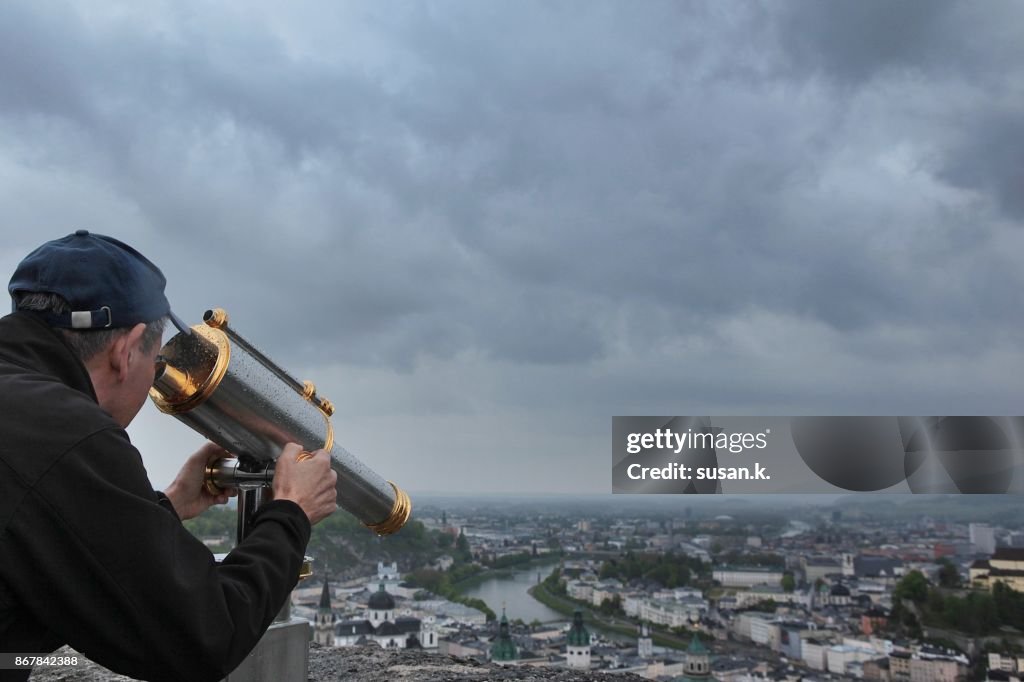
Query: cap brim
x=176 y=321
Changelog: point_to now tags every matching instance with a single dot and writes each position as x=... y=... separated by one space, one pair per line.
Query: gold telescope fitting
x=216 y=318
x=208 y=483
x=306 y=569
x=399 y=514
x=172 y=381
x=186 y=392
x=309 y=393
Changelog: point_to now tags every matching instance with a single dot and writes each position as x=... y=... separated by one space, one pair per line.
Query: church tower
x=645 y=645
x=324 y=618
x=503 y=651
x=577 y=650
x=698 y=662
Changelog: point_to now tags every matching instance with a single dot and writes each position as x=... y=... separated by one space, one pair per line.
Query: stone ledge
x=370 y=664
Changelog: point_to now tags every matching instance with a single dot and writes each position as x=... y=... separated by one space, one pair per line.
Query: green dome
x=503 y=649
x=578 y=635
x=696 y=646
x=698 y=662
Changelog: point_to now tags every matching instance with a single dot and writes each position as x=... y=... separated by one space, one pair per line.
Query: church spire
x=325 y=597
x=504 y=649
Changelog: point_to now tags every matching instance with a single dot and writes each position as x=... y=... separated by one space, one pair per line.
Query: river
x=510 y=591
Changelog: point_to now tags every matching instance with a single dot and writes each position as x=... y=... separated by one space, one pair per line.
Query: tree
x=610 y=607
x=462 y=548
x=949 y=576
x=788 y=582
x=913 y=586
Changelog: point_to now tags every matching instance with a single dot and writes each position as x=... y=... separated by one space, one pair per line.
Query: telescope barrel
x=218 y=384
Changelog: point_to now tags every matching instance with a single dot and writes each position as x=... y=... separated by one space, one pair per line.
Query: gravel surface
x=365 y=664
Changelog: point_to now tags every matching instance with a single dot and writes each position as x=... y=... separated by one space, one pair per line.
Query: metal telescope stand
x=282 y=654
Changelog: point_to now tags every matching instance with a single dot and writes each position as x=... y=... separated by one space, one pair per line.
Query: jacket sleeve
x=116 y=575
x=166 y=503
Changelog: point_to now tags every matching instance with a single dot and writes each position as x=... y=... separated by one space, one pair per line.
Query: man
x=90 y=554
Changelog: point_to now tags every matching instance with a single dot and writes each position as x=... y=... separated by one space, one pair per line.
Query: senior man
x=90 y=554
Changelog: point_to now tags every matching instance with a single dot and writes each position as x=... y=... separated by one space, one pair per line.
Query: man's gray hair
x=86 y=343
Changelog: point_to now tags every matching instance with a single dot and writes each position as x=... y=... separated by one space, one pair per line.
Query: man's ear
x=125 y=350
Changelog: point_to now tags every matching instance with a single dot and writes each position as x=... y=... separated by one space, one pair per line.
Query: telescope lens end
x=400 y=513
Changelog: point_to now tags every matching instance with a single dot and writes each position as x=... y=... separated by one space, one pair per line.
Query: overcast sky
x=484 y=228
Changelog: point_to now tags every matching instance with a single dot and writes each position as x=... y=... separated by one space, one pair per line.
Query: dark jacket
x=88 y=554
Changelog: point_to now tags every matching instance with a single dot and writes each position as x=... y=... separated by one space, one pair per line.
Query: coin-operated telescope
x=216 y=382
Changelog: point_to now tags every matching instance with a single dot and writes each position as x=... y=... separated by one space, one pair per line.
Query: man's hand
x=187 y=493
x=308 y=480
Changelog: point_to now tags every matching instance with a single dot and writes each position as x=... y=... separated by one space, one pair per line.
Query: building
x=814 y=652
x=764 y=630
x=818 y=568
x=746 y=576
x=580 y=589
x=775 y=593
x=381 y=627
x=932 y=665
x=698 y=662
x=672 y=614
x=503 y=651
x=983 y=538
x=790 y=634
x=838 y=595
x=324 y=626
x=899 y=665
x=1006 y=663
x=1005 y=566
x=577 y=644
x=876 y=669
x=840 y=657
x=873 y=620
x=388 y=575
x=644 y=643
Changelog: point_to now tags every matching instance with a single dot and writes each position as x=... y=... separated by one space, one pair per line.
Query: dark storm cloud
x=616 y=208
x=937 y=42
x=854 y=40
x=988 y=157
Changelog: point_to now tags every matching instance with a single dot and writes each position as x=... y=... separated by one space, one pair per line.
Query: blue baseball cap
x=107 y=283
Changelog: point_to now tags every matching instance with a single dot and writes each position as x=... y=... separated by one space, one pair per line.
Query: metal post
x=282 y=654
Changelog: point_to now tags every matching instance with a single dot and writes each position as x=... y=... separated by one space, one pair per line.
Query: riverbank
x=617 y=625
x=478 y=579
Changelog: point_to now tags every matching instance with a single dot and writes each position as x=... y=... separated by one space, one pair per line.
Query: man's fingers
x=211 y=449
x=291 y=451
x=306 y=455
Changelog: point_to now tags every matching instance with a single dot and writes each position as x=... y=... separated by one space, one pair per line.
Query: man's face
x=140 y=377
